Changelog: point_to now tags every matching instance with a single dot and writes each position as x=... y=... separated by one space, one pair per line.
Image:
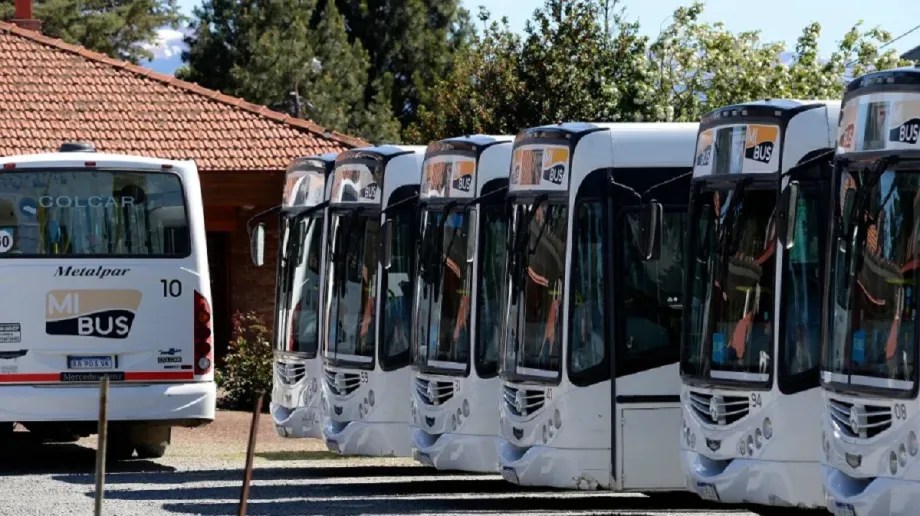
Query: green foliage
x=581 y=60
x=359 y=66
x=248 y=364
x=274 y=52
x=118 y=28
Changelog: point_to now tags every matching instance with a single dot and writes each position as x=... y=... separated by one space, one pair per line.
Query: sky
x=777 y=20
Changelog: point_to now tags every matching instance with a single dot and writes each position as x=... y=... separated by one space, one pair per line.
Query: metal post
x=101 y=445
x=250 y=452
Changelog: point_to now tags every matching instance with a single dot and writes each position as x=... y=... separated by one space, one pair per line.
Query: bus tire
x=119 y=446
x=151 y=441
x=151 y=450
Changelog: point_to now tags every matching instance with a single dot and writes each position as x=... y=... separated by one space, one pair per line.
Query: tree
x=696 y=67
x=118 y=28
x=480 y=93
x=289 y=54
x=581 y=60
x=411 y=44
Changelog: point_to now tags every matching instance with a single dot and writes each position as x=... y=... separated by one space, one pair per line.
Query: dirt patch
x=228 y=436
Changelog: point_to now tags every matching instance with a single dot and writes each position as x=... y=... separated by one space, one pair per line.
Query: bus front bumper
x=297 y=423
x=388 y=439
x=456 y=452
x=565 y=468
x=180 y=402
x=774 y=483
x=880 y=496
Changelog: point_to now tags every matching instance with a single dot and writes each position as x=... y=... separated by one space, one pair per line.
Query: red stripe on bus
x=159 y=375
x=30 y=378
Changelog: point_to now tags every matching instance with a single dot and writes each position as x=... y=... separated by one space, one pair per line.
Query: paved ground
x=202 y=474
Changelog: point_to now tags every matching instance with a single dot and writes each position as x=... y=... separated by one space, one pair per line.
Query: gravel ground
x=202 y=474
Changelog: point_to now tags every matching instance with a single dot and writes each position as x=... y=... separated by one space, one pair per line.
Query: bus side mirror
x=386 y=259
x=650 y=217
x=257 y=244
x=785 y=226
x=471 y=235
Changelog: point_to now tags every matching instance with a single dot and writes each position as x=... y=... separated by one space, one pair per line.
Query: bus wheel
x=151 y=442
x=151 y=450
x=119 y=446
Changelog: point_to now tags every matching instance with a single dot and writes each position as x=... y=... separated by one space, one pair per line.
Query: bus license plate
x=707 y=491
x=91 y=362
x=844 y=509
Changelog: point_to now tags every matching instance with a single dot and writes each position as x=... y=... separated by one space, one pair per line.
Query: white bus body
x=296 y=405
x=590 y=389
x=106 y=271
x=457 y=316
x=749 y=361
x=366 y=351
x=869 y=366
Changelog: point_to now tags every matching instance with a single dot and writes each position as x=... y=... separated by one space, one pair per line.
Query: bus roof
x=480 y=139
x=101 y=160
x=383 y=150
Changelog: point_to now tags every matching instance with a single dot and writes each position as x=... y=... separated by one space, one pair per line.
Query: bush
x=248 y=367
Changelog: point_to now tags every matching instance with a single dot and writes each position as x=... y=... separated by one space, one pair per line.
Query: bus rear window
x=53 y=213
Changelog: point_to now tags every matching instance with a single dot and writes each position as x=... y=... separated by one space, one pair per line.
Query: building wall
x=253 y=288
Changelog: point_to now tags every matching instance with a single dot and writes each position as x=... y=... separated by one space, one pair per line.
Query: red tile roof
x=51 y=91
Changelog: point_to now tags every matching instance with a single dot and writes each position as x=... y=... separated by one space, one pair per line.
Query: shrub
x=248 y=366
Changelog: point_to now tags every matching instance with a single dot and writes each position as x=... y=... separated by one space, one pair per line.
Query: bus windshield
x=298 y=285
x=92 y=213
x=533 y=347
x=876 y=238
x=732 y=269
x=352 y=286
x=443 y=334
x=493 y=231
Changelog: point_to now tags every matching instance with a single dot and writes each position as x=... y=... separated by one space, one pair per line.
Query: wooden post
x=250 y=452
x=101 y=445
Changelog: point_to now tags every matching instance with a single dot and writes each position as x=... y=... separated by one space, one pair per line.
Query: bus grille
x=341 y=383
x=522 y=402
x=290 y=373
x=434 y=392
x=857 y=420
x=717 y=409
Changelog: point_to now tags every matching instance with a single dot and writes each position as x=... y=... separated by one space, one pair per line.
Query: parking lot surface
x=202 y=474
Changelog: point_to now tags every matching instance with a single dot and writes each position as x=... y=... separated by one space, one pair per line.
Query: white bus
x=296 y=406
x=590 y=388
x=869 y=365
x=106 y=275
x=749 y=360
x=368 y=300
x=457 y=317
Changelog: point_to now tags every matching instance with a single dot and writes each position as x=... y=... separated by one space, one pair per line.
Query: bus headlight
x=466 y=408
x=557 y=419
x=742 y=449
x=758 y=438
x=750 y=445
x=370 y=397
x=767 y=428
x=912 y=443
x=693 y=441
x=544 y=434
x=893 y=463
x=902 y=455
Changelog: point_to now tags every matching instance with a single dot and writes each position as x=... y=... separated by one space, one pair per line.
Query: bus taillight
x=204 y=350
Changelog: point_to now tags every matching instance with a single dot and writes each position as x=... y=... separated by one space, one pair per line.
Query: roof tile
x=51 y=91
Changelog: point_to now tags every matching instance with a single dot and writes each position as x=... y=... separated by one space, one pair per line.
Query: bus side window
x=586 y=301
x=651 y=290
